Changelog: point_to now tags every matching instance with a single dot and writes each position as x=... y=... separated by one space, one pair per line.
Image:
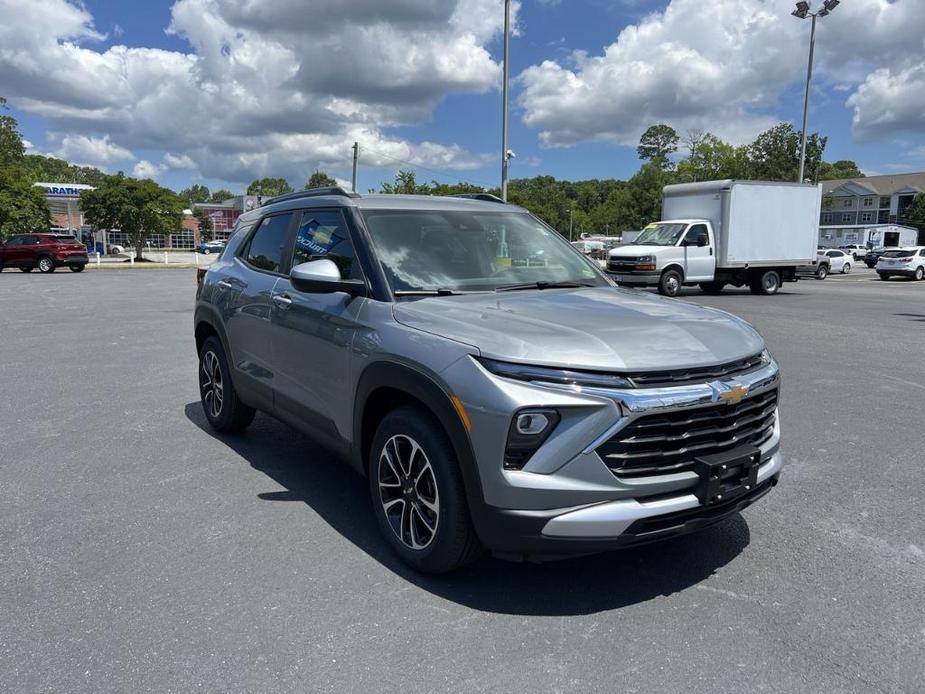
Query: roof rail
x=487 y=197
x=311 y=193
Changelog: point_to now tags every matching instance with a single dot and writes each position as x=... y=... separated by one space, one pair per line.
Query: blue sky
x=582 y=90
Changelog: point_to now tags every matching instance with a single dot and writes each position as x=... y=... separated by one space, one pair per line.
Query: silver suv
x=494 y=387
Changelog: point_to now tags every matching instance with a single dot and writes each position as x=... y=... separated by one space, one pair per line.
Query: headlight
x=545 y=374
x=646 y=259
x=528 y=431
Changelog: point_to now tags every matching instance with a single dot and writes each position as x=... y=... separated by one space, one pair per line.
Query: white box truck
x=716 y=233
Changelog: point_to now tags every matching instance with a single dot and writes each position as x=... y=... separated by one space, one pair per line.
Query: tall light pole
x=506 y=75
x=802 y=12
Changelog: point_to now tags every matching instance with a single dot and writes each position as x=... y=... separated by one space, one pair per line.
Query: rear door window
x=267 y=246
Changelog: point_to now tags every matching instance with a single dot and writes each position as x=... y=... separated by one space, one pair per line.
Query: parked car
x=855 y=251
x=905 y=262
x=487 y=399
x=839 y=261
x=873 y=255
x=208 y=247
x=819 y=268
x=43 y=251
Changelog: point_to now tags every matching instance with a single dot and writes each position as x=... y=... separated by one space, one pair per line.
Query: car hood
x=598 y=328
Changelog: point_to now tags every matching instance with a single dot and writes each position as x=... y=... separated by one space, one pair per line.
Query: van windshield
x=660 y=235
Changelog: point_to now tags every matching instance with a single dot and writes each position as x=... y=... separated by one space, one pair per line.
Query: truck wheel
x=417 y=493
x=45 y=264
x=670 y=283
x=822 y=272
x=767 y=283
x=712 y=287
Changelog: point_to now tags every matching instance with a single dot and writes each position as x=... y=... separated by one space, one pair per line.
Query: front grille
x=669 y=442
x=622 y=264
x=657 y=379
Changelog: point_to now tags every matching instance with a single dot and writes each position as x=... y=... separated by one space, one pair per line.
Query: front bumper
x=637 y=278
x=566 y=500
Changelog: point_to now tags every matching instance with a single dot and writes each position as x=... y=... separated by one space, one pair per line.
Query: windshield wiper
x=440 y=291
x=543 y=285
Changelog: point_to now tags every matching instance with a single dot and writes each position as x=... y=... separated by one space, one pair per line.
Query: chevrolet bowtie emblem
x=734 y=395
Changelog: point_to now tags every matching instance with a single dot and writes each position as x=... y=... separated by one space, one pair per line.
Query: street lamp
x=506 y=154
x=802 y=11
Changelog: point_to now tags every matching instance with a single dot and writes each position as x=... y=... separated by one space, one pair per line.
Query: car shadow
x=575 y=586
x=914 y=317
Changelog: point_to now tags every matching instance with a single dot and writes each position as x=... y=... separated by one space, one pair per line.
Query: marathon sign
x=62 y=192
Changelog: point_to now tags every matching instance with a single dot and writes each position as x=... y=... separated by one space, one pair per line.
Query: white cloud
x=266 y=88
x=889 y=103
x=89 y=150
x=147 y=169
x=179 y=161
x=725 y=69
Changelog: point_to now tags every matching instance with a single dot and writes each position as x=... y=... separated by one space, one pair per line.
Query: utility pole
x=570 y=224
x=506 y=76
x=802 y=12
x=356 y=156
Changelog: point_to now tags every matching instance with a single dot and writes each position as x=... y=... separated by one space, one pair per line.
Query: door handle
x=283 y=301
x=224 y=284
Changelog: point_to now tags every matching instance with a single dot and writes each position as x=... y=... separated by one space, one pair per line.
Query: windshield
x=898 y=254
x=428 y=250
x=660 y=235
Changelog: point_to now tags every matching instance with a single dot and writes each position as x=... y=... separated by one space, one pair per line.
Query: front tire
x=223 y=409
x=417 y=492
x=766 y=284
x=822 y=272
x=846 y=268
x=670 y=283
x=45 y=265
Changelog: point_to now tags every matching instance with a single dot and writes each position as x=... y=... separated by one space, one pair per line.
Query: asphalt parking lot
x=139 y=552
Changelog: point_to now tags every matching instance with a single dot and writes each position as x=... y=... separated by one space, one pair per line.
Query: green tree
x=319 y=179
x=454 y=188
x=843 y=168
x=206 y=228
x=406 y=184
x=138 y=208
x=657 y=144
x=269 y=187
x=59 y=171
x=12 y=148
x=712 y=159
x=914 y=215
x=195 y=193
x=220 y=195
x=22 y=206
x=775 y=154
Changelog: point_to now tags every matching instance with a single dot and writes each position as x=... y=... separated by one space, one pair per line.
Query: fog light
x=528 y=431
x=532 y=423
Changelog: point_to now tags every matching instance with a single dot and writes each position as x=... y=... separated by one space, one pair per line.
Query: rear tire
x=76 y=268
x=765 y=284
x=417 y=492
x=45 y=265
x=223 y=409
x=25 y=269
x=670 y=283
x=846 y=268
x=919 y=274
x=883 y=276
x=822 y=272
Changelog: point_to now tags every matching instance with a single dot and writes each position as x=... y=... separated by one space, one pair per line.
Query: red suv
x=43 y=251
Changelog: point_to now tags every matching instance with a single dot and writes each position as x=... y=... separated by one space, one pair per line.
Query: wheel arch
x=382 y=387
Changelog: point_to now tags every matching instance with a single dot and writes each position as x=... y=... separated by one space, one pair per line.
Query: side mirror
x=323 y=277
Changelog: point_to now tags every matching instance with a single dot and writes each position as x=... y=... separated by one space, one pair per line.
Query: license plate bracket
x=727 y=475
